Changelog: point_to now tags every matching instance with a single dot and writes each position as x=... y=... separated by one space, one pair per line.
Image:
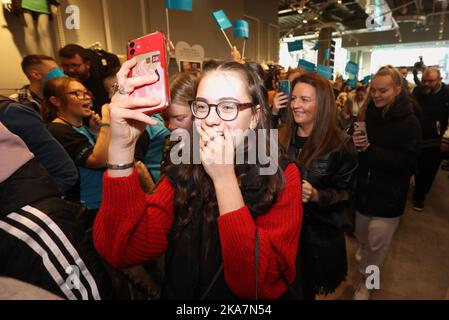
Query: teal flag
x=221 y=19
x=352 y=83
x=241 y=29
x=306 y=65
x=185 y=5
x=295 y=45
x=352 y=68
x=325 y=71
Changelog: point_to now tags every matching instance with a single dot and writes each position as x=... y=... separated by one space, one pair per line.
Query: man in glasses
x=433 y=97
x=85 y=66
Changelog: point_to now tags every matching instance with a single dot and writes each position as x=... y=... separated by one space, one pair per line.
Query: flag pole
x=229 y=42
x=168 y=24
x=244 y=47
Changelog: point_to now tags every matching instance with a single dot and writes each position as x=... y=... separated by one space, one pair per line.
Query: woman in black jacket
x=328 y=161
x=389 y=149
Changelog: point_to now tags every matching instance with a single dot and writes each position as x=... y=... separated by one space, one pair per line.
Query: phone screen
x=284 y=87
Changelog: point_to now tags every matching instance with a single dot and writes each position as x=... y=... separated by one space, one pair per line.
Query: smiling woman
x=328 y=161
x=389 y=148
x=226 y=230
x=66 y=104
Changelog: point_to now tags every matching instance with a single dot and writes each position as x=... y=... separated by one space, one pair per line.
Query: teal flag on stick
x=306 y=65
x=185 y=5
x=325 y=71
x=352 y=68
x=222 y=20
x=241 y=29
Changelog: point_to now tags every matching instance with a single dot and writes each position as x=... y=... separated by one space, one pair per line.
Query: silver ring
x=120 y=88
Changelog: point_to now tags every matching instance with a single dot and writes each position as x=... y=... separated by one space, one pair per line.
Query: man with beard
x=433 y=97
x=86 y=66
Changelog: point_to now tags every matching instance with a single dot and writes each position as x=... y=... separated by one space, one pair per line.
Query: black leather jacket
x=322 y=245
x=333 y=176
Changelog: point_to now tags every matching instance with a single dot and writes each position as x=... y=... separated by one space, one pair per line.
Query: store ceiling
x=303 y=17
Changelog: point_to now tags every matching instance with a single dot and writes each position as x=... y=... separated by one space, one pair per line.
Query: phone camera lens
x=132 y=44
x=132 y=51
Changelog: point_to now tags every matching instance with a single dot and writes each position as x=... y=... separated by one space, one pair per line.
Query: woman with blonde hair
x=388 y=147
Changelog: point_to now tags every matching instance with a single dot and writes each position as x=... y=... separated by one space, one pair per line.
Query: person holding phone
x=328 y=162
x=280 y=102
x=66 y=104
x=226 y=230
x=389 y=149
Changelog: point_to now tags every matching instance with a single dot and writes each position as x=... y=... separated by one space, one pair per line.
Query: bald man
x=433 y=97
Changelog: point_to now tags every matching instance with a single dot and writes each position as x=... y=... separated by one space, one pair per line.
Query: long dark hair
x=326 y=136
x=203 y=188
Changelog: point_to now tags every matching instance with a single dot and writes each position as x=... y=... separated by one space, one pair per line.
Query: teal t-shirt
x=40 y=6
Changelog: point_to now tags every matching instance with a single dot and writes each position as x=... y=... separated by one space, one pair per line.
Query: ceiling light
x=304 y=21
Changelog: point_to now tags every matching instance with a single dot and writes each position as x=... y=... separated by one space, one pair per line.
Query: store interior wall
x=113 y=22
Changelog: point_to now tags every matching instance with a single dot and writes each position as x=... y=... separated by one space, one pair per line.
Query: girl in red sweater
x=227 y=231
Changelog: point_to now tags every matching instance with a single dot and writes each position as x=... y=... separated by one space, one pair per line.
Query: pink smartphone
x=151 y=54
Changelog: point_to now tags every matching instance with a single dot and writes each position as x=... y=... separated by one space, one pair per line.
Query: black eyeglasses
x=82 y=95
x=429 y=80
x=226 y=110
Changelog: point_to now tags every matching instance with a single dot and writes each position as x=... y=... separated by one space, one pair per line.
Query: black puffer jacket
x=386 y=166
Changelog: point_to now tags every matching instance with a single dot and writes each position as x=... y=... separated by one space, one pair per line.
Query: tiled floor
x=417 y=266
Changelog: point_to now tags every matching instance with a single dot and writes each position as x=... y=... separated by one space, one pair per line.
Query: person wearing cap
x=38 y=69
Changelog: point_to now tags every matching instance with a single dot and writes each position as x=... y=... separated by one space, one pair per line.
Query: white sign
x=186 y=53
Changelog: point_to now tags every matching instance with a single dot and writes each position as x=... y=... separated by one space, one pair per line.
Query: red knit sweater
x=131 y=228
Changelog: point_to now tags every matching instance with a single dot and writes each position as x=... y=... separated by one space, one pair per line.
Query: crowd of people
x=92 y=204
